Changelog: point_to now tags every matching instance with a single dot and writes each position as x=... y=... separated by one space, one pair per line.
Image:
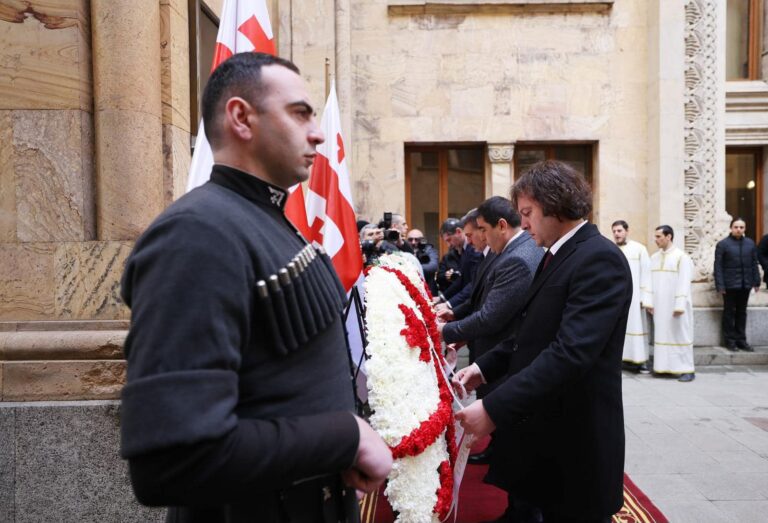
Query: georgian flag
x=244 y=26
x=332 y=224
x=330 y=213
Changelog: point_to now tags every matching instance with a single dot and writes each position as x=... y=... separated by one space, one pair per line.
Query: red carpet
x=480 y=502
x=637 y=507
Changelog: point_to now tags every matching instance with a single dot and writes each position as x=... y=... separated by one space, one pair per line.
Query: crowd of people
x=237 y=405
x=661 y=313
x=488 y=285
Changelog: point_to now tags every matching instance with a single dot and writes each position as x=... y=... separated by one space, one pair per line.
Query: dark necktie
x=547 y=258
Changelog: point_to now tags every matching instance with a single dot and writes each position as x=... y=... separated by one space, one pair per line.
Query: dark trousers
x=556 y=518
x=735 y=316
x=520 y=511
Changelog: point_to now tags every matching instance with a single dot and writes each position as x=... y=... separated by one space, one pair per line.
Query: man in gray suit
x=496 y=297
x=487 y=318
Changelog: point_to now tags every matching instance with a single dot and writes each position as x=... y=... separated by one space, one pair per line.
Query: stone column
x=174 y=60
x=706 y=221
x=666 y=116
x=502 y=168
x=127 y=116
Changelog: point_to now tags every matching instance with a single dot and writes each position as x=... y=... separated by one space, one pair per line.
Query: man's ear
x=502 y=225
x=239 y=115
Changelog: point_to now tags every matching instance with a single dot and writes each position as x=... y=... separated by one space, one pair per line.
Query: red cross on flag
x=330 y=213
x=244 y=26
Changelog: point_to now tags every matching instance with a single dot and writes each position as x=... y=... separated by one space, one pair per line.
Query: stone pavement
x=700 y=450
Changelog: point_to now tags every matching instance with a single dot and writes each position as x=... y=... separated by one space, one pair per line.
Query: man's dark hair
x=622 y=223
x=666 y=230
x=497 y=207
x=558 y=188
x=239 y=75
x=449 y=226
x=470 y=217
x=737 y=219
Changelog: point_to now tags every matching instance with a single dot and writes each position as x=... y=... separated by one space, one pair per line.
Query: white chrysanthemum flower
x=403 y=390
x=413 y=484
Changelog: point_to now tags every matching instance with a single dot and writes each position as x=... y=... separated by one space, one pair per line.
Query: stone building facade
x=443 y=103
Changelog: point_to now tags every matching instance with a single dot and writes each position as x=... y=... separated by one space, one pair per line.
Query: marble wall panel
x=62 y=380
x=26 y=281
x=53 y=173
x=7 y=180
x=45 y=56
x=87 y=277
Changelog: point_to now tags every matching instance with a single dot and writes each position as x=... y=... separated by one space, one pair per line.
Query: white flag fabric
x=330 y=211
x=244 y=27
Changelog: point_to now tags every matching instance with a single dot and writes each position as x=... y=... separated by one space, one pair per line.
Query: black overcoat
x=558 y=412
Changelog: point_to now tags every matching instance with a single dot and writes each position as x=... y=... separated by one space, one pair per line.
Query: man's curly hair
x=559 y=188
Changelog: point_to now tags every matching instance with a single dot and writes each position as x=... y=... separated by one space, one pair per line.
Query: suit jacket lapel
x=563 y=253
x=496 y=259
x=482 y=270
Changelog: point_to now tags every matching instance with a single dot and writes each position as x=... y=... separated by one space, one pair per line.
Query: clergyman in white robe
x=636 y=339
x=672 y=271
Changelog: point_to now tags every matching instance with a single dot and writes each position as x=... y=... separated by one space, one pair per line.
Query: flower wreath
x=408 y=391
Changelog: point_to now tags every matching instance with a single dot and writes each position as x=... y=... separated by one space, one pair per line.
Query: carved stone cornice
x=746 y=113
x=420 y=7
x=501 y=152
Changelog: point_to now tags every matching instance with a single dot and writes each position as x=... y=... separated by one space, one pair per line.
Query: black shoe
x=685 y=378
x=481 y=458
x=630 y=366
x=504 y=518
x=731 y=347
x=746 y=347
x=643 y=369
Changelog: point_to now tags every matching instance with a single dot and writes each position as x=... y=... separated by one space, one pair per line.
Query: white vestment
x=636 y=339
x=672 y=271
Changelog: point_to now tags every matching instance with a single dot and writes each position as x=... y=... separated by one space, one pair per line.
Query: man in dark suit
x=468 y=258
x=558 y=412
x=486 y=318
x=475 y=239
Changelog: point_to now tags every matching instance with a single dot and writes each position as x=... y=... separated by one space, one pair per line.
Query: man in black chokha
x=238 y=404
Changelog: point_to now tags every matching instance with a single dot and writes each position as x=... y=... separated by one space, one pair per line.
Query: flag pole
x=327 y=77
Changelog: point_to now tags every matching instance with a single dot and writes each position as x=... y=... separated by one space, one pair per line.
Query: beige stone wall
x=503 y=76
x=94 y=142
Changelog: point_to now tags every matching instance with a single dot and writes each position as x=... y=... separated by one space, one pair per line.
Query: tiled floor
x=700 y=450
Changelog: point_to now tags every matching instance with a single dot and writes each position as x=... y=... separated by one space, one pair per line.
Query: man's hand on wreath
x=475 y=420
x=372 y=462
x=467 y=380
